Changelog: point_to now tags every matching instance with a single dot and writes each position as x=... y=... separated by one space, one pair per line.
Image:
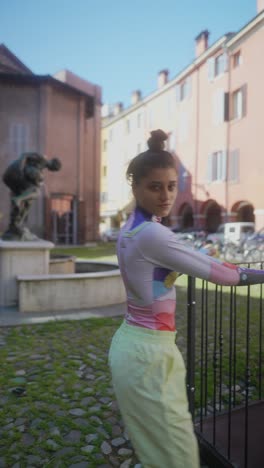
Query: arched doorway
x=186 y=214
x=244 y=211
x=63 y=219
x=213 y=217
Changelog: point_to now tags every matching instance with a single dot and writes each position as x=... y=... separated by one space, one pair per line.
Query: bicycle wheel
x=254 y=255
x=229 y=252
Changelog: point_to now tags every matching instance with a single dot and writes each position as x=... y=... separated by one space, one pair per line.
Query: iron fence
x=225 y=372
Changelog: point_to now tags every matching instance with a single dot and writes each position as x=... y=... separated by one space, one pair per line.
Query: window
x=104 y=197
x=233 y=165
x=19 y=138
x=237 y=59
x=217 y=166
x=183 y=127
x=182 y=180
x=139 y=120
x=111 y=135
x=104 y=171
x=138 y=148
x=171 y=142
x=239 y=98
x=237 y=104
x=150 y=118
x=217 y=65
x=105 y=145
x=220 y=106
x=183 y=89
x=128 y=126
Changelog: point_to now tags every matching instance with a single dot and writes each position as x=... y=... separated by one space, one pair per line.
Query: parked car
x=110 y=235
x=232 y=232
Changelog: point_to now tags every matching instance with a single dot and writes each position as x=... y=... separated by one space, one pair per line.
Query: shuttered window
x=183 y=89
x=19 y=139
x=239 y=102
x=216 y=167
x=217 y=65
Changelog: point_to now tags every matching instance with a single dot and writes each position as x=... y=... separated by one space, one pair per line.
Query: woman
x=147 y=368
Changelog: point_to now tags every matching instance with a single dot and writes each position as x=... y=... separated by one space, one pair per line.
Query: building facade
x=212 y=114
x=55 y=116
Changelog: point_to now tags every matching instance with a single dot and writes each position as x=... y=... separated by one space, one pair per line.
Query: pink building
x=56 y=116
x=212 y=113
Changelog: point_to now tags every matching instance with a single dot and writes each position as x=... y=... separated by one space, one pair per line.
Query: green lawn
x=101 y=251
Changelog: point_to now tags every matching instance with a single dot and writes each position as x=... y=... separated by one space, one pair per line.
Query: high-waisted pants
x=148 y=375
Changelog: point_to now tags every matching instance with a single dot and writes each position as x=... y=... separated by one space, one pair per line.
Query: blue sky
x=120 y=45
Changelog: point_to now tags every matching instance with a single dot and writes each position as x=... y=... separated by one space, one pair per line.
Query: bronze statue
x=24 y=177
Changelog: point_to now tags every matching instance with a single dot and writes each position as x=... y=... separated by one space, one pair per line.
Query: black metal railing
x=225 y=372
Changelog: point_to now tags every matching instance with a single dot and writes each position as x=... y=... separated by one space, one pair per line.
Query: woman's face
x=156 y=192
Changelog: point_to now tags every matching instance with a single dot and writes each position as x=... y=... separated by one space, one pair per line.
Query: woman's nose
x=164 y=194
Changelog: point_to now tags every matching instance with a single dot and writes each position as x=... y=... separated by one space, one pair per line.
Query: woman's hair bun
x=156 y=141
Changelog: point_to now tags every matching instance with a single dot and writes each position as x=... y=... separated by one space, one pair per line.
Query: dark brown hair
x=154 y=158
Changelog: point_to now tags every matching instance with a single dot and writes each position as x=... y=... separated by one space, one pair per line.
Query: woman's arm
x=160 y=246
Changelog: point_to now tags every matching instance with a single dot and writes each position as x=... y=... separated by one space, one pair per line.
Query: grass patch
x=101 y=251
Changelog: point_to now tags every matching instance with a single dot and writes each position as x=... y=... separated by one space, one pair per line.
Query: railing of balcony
x=225 y=372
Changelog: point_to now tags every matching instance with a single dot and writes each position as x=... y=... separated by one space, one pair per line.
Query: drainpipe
x=197 y=223
x=227 y=135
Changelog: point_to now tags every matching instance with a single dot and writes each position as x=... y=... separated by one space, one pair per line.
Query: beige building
x=212 y=113
x=56 y=116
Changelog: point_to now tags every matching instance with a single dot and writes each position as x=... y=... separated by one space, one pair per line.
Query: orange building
x=55 y=116
x=212 y=113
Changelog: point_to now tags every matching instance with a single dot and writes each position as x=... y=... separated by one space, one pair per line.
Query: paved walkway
x=11 y=316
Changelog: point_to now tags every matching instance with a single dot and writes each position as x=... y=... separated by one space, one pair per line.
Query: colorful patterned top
x=150 y=256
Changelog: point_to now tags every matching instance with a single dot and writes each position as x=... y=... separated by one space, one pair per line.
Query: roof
x=31 y=79
x=10 y=63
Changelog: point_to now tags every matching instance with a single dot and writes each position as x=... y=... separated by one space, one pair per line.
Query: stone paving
x=77 y=424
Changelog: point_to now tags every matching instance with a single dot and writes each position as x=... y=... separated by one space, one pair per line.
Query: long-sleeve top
x=150 y=256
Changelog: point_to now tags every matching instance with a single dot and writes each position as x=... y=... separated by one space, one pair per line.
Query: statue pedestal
x=21 y=258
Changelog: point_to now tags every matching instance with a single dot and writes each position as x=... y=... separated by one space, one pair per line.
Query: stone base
x=20 y=258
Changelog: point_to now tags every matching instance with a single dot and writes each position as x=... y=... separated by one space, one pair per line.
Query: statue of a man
x=24 y=177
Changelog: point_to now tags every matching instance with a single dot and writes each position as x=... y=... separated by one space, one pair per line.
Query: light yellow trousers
x=148 y=375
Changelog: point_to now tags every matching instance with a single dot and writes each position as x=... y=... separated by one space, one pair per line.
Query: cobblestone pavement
x=60 y=414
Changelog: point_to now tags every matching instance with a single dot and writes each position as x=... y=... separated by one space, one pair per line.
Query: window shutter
x=181 y=178
x=189 y=87
x=219 y=106
x=224 y=159
x=233 y=166
x=209 y=168
x=225 y=61
x=211 y=71
x=19 y=138
x=178 y=92
x=226 y=107
x=244 y=100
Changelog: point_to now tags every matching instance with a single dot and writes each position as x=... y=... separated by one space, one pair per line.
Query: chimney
x=118 y=107
x=201 y=42
x=105 y=110
x=260 y=6
x=135 y=97
x=163 y=78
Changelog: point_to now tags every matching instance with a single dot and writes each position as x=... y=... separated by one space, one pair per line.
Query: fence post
x=190 y=375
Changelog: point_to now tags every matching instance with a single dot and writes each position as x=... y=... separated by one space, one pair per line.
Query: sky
x=120 y=45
